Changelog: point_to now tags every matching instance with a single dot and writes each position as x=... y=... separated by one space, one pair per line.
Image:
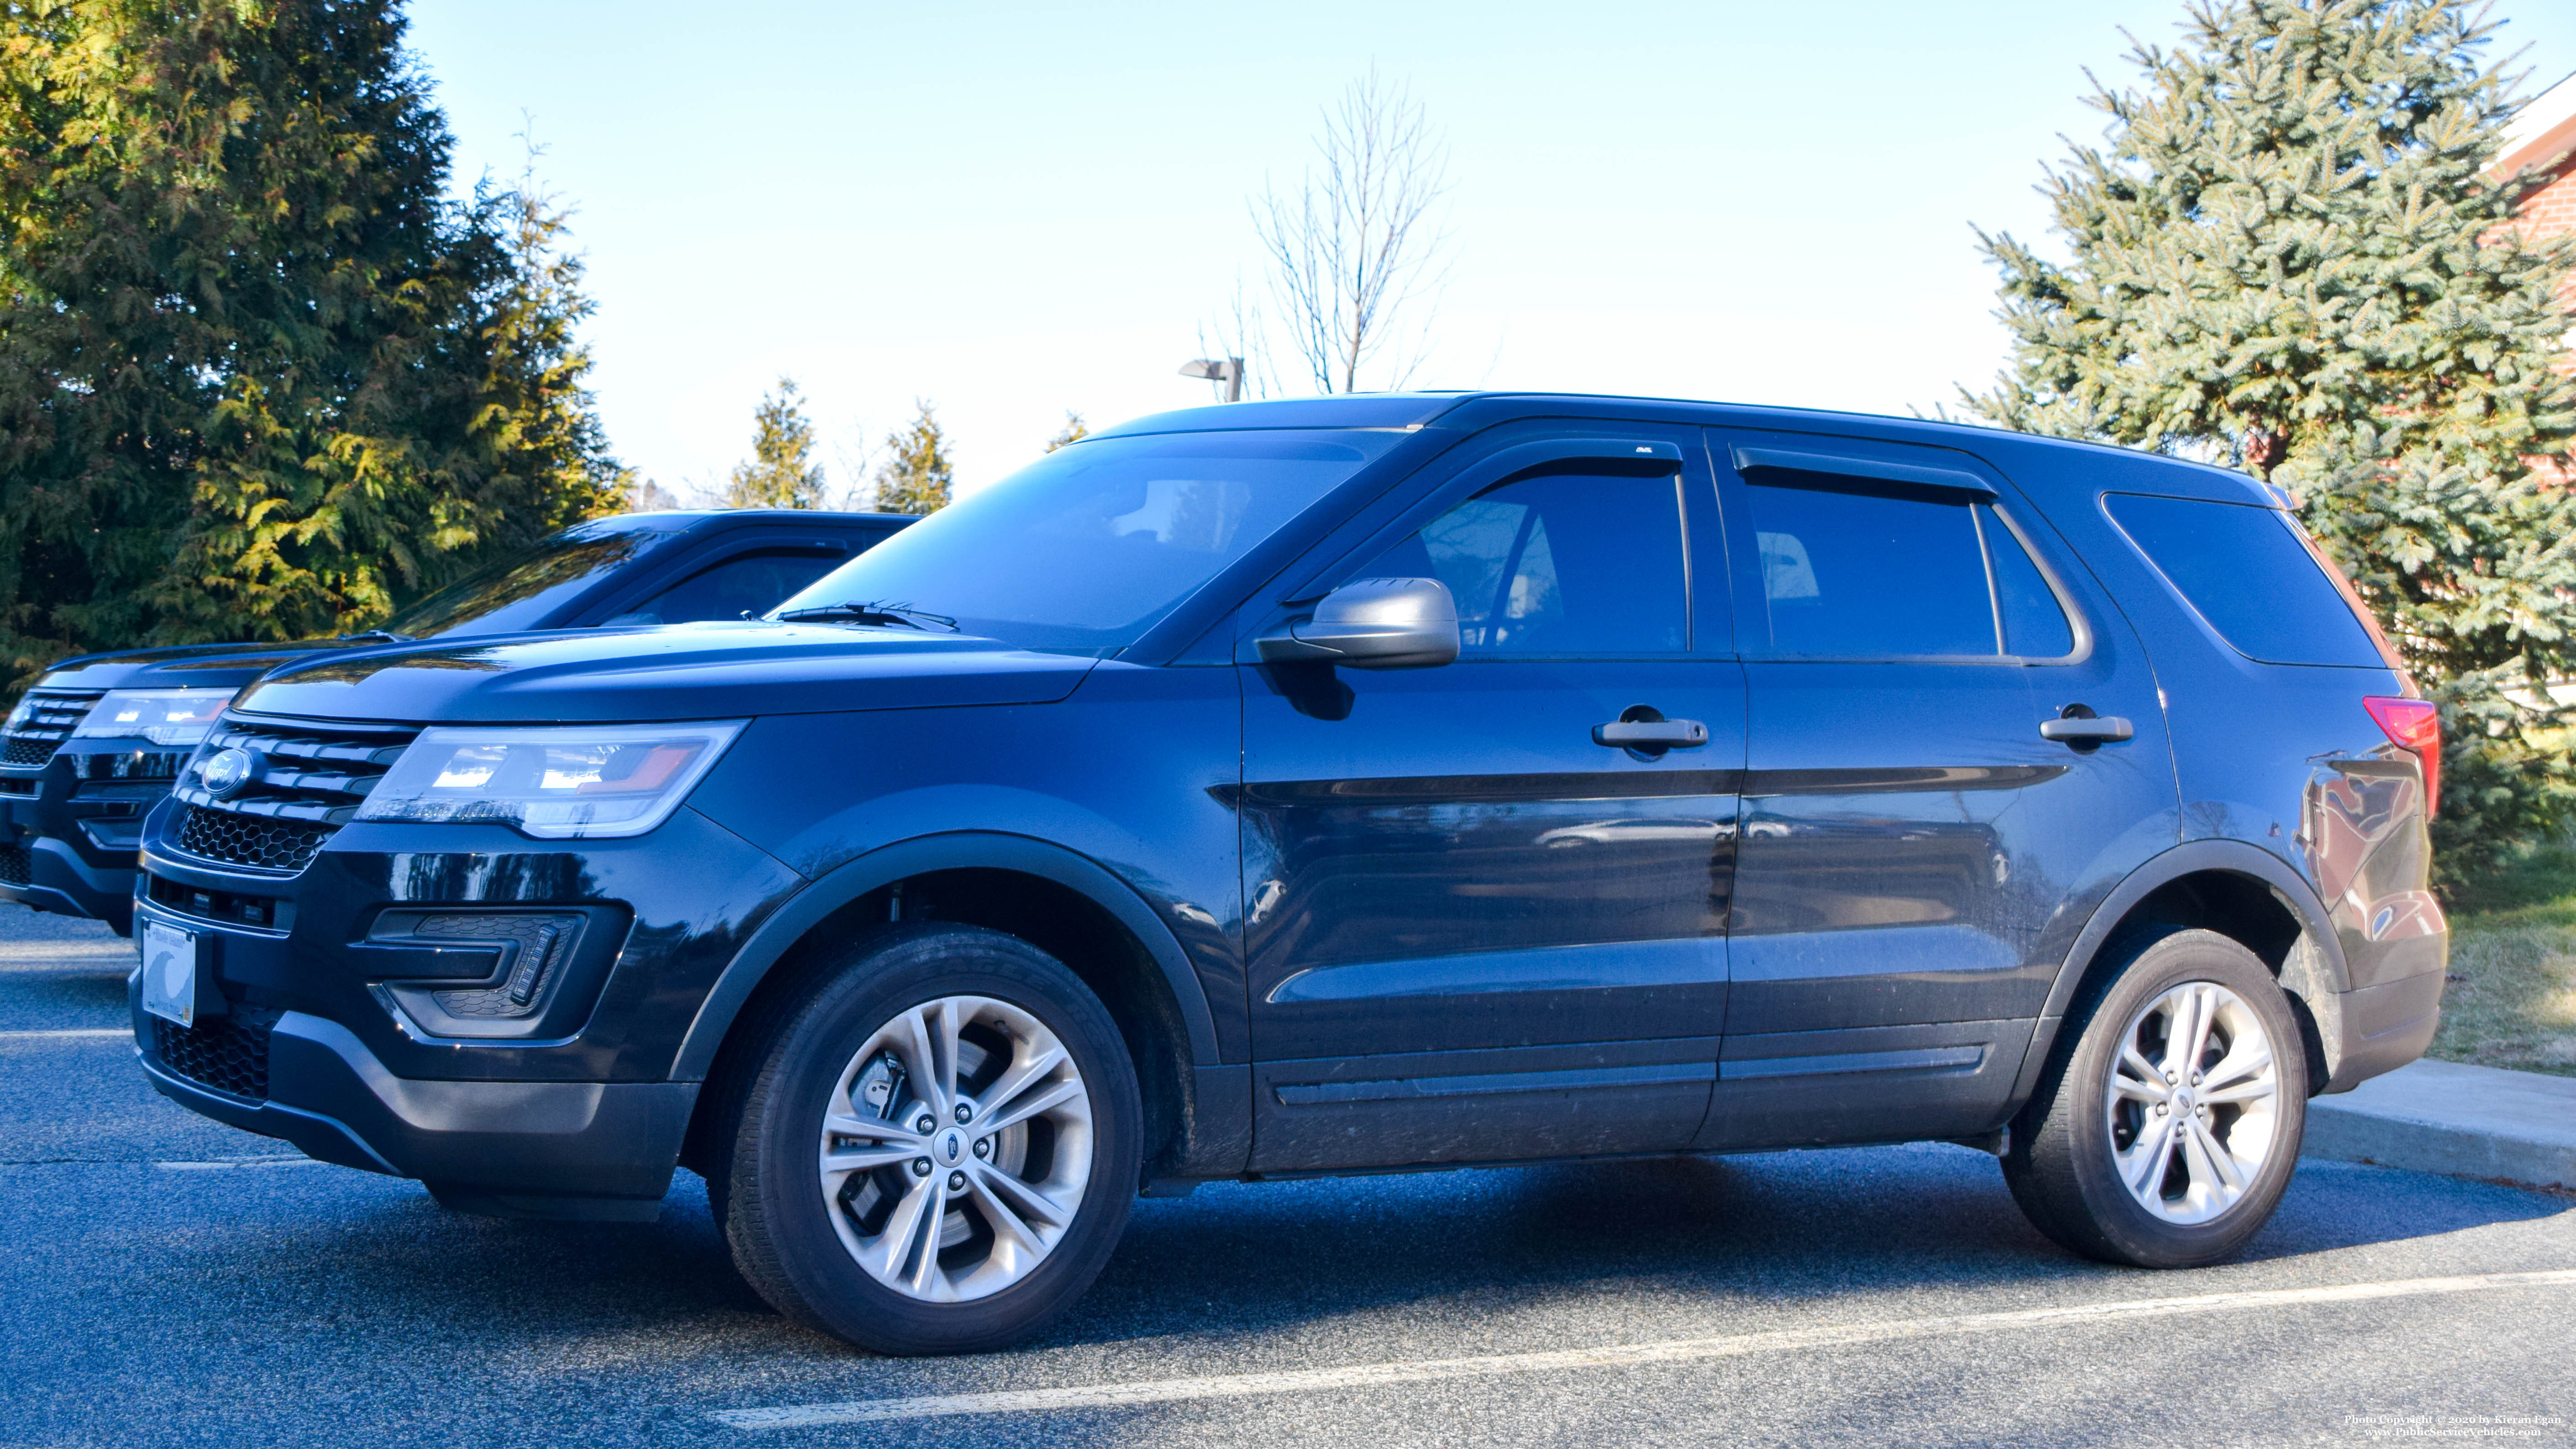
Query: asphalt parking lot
x=164 y=1280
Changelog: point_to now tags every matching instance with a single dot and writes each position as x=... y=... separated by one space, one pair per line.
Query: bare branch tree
x=1357 y=262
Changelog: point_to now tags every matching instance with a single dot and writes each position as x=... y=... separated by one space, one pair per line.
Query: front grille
x=285 y=845
x=231 y=909
x=41 y=723
x=227 y=1053
x=23 y=751
x=17 y=867
x=310 y=782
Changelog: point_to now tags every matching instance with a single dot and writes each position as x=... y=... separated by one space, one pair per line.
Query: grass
x=2511 y=1001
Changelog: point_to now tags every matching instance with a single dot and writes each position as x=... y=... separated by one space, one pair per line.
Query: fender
x=2323 y=973
x=989 y=850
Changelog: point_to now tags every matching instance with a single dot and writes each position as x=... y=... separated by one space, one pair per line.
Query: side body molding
x=960 y=850
x=2314 y=972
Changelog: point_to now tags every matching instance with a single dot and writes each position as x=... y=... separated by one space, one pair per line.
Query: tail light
x=2415 y=724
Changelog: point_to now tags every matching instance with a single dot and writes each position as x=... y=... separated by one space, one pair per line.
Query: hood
x=194 y=666
x=684 y=671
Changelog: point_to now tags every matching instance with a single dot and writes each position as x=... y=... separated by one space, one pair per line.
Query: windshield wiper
x=387 y=635
x=872 y=611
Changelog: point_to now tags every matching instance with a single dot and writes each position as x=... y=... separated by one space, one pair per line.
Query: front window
x=1564 y=564
x=518 y=592
x=1090 y=546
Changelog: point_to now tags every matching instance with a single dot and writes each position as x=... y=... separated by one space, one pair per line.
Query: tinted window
x=751 y=583
x=1563 y=564
x=1870 y=575
x=1090 y=546
x=2035 y=625
x=2250 y=576
x=518 y=592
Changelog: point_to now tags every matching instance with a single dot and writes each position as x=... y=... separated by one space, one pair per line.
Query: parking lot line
x=1632 y=1355
x=85 y=1033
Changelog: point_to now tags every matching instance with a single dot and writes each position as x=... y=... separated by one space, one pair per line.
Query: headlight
x=163 y=716
x=569 y=783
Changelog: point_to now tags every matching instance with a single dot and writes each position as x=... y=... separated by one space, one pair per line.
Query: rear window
x=2246 y=571
x=1878 y=575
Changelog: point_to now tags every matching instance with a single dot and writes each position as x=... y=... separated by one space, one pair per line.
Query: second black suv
x=95 y=743
x=1368 y=783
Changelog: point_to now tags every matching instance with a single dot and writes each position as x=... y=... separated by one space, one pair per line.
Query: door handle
x=2086 y=729
x=1651 y=734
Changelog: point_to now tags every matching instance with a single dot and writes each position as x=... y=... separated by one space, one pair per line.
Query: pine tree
x=917 y=474
x=257 y=379
x=2285 y=260
x=1073 y=431
x=782 y=472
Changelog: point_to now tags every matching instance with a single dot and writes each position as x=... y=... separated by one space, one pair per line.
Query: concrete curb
x=2459 y=1121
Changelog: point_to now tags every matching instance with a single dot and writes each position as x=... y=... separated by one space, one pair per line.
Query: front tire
x=936 y=1146
x=2166 y=1135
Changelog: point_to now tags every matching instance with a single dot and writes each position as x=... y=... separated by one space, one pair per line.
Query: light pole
x=1227 y=370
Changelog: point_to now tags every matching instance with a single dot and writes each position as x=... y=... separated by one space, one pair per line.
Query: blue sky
x=1012 y=210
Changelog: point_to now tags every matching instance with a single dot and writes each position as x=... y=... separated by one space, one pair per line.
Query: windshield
x=1088 y=547
x=519 y=591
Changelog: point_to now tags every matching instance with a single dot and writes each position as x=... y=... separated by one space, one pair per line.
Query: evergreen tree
x=917 y=474
x=782 y=472
x=1073 y=431
x=536 y=418
x=257 y=380
x=2285 y=260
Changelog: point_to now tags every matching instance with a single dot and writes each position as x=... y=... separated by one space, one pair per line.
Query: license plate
x=170 y=972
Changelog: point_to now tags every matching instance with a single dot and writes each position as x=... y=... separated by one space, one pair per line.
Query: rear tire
x=963 y=1049
x=2167 y=1123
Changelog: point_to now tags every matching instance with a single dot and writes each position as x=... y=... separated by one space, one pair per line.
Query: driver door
x=1474 y=933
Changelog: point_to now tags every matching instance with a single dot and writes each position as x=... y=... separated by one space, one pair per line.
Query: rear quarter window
x=2248 y=574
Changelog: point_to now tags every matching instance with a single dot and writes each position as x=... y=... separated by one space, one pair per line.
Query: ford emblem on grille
x=228 y=772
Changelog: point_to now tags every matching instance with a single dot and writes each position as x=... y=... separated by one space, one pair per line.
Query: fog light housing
x=473 y=973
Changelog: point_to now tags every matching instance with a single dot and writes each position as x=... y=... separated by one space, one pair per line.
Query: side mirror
x=1373 y=624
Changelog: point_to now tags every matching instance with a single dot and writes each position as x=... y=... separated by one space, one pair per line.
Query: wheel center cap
x=2182 y=1100
x=951 y=1146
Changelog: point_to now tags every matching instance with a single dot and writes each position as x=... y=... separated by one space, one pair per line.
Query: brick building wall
x=2542 y=142
x=2551 y=211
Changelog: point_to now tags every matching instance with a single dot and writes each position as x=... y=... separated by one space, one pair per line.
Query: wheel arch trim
x=2325 y=976
x=954 y=850
x=2198 y=857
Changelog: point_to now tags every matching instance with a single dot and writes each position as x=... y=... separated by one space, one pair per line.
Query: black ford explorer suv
x=97 y=741
x=1365 y=783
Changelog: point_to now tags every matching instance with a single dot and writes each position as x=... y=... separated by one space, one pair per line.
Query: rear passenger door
x=1908 y=836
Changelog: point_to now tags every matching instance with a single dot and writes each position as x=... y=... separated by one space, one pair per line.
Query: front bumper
x=74 y=827
x=322 y=1032
x=591 y=1150
x=60 y=881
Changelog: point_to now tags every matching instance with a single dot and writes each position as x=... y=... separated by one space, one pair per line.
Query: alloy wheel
x=955 y=1148
x=2194 y=1102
